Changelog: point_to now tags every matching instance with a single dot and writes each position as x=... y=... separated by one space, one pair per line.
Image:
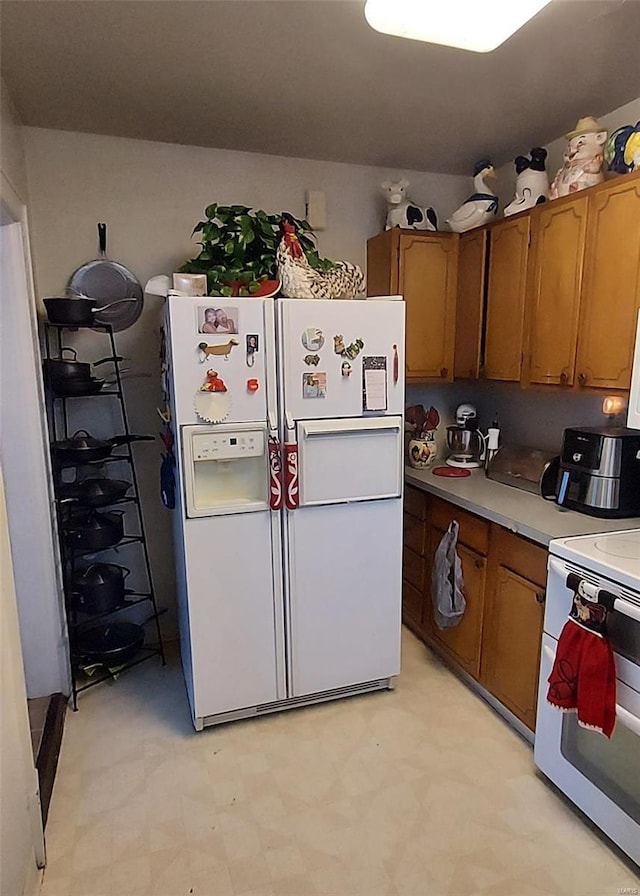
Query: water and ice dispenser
x=225 y=469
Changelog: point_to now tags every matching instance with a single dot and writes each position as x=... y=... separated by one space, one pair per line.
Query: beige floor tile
x=248 y=874
x=94 y=882
x=285 y=861
x=131 y=874
x=424 y=791
x=215 y=881
x=56 y=887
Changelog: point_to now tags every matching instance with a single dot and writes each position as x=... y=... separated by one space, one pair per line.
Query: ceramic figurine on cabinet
x=532 y=182
x=481 y=206
x=622 y=149
x=401 y=212
x=583 y=159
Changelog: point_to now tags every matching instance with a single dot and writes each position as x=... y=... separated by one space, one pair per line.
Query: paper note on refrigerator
x=374 y=385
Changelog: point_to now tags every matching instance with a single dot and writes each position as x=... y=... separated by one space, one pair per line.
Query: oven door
x=601 y=776
x=623 y=622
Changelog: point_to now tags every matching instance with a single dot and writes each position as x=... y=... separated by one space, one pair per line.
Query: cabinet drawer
x=522 y=556
x=414 y=534
x=415 y=502
x=413 y=568
x=412 y=600
x=474 y=532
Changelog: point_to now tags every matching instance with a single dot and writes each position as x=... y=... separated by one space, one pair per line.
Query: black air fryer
x=600 y=471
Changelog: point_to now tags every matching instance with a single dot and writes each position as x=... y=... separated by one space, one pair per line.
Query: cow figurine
x=532 y=182
x=583 y=159
x=401 y=212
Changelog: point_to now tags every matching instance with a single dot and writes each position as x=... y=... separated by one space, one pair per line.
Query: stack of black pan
x=68 y=376
x=100 y=588
x=111 y=644
x=83 y=448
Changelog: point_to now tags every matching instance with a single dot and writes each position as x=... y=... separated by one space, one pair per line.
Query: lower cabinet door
x=514 y=613
x=462 y=641
x=412 y=600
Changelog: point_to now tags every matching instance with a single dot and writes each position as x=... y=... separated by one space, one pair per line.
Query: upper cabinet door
x=427 y=280
x=611 y=286
x=422 y=267
x=472 y=256
x=553 y=300
x=509 y=244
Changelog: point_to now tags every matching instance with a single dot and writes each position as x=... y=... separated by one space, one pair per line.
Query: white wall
x=23 y=440
x=18 y=778
x=151 y=195
x=24 y=450
x=12 y=158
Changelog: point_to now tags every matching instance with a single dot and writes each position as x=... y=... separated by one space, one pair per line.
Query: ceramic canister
x=423 y=451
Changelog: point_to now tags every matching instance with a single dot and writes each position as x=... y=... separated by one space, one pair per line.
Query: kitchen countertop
x=519 y=511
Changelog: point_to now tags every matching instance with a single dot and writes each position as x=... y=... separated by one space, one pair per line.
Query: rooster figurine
x=300 y=281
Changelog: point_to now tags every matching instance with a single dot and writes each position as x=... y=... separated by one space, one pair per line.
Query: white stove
x=614 y=555
x=601 y=776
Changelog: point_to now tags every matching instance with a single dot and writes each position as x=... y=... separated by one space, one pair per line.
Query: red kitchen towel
x=583 y=678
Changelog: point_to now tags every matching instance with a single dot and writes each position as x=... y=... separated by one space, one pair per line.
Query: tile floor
x=424 y=791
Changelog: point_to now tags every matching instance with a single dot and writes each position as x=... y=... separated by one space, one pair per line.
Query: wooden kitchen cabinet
x=553 y=291
x=422 y=267
x=498 y=640
x=513 y=619
x=506 y=289
x=460 y=643
x=611 y=285
x=472 y=258
x=414 y=562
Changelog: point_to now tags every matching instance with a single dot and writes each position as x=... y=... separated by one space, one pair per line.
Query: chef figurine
x=583 y=159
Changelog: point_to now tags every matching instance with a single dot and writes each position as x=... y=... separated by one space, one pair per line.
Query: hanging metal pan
x=109 y=281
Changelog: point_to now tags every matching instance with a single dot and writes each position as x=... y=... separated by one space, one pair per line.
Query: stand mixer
x=464 y=440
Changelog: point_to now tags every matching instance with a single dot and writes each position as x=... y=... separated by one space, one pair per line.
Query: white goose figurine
x=481 y=206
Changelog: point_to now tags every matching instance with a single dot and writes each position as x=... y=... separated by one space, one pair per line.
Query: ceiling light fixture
x=465 y=24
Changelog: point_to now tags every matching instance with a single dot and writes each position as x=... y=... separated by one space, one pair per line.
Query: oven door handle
x=619 y=605
x=626 y=718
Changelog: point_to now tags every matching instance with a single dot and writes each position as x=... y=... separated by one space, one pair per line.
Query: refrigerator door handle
x=292 y=489
x=275 y=472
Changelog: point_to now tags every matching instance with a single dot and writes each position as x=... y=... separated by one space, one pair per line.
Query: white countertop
x=517 y=510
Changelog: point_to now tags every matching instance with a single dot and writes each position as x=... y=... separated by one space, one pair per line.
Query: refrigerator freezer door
x=345 y=582
x=229 y=353
x=322 y=350
x=235 y=621
x=350 y=460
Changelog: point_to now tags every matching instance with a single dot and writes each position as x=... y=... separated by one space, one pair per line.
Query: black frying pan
x=111 y=644
x=94 y=491
x=83 y=448
x=108 y=281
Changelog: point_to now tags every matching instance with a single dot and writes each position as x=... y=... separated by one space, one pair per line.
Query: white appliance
x=465 y=441
x=288 y=518
x=601 y=776
x=633 y=415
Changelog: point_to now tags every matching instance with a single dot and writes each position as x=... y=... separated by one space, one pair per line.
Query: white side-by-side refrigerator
x=288 y=424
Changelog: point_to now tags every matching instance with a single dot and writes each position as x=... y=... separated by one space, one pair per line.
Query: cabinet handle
x=443 y=371
x=540 y=597
x=564 y=378
x=582 y=379
x=479 y=564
